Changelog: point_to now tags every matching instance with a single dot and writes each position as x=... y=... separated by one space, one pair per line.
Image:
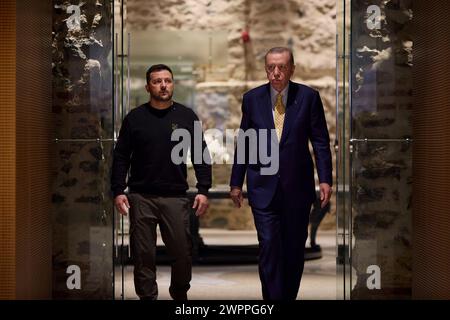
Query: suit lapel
x=266 y=108
x=293 y=106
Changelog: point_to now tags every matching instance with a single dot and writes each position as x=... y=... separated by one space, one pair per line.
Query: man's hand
x=236 y=196
x=122 y=205
x=325 y=194
x=201 y=203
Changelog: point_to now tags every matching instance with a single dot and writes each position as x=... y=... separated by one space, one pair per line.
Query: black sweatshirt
x=144 y=146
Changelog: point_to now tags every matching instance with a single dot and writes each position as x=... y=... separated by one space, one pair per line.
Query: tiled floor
x=241 y=282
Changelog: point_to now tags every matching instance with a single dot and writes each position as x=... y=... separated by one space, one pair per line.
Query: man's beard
x=159 y=98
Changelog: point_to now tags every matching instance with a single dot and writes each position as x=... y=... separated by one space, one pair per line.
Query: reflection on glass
x=381 y=69
x=82 y=220
x=82 y=66
x=201 y=48
x=376 y=219
x=82 y=74
x=382 y=178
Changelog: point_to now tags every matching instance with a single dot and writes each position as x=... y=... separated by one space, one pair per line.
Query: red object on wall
x=245 y=36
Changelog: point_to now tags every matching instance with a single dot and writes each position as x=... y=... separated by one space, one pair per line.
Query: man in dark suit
x=293 y=115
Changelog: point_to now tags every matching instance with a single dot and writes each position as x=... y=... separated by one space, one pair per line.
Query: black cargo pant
x=172 y=215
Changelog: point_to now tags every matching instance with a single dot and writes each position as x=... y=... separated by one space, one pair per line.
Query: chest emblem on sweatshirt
x=174 y=126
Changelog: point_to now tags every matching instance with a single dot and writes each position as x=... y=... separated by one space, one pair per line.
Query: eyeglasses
x=282 y=67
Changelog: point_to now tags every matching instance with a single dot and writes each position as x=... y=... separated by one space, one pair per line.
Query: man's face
x=279 y=70
x=160 y=86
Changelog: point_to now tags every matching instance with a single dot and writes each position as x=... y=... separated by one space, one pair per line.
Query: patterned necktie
x=280 y=110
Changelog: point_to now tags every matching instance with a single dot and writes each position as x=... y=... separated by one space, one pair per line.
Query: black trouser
x=172 y=215
x=282 y=232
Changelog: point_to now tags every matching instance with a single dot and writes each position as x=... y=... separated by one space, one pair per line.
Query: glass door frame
x=343 y=149
x=121 y=86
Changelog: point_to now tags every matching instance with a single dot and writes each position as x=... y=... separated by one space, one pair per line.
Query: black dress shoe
x=179 y=296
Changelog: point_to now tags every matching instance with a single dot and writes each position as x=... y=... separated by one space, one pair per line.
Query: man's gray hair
x=280 y=50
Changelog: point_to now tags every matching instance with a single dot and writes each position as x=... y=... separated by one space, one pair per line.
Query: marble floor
x=241 y=282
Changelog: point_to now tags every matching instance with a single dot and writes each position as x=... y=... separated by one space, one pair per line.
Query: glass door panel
x=82 y=100
x=121 y=253
x=375 y=131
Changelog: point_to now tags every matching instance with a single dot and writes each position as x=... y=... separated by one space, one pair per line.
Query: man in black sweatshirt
x=157 y=183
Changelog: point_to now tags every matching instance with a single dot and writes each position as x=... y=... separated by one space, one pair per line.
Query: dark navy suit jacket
x=304 y=122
